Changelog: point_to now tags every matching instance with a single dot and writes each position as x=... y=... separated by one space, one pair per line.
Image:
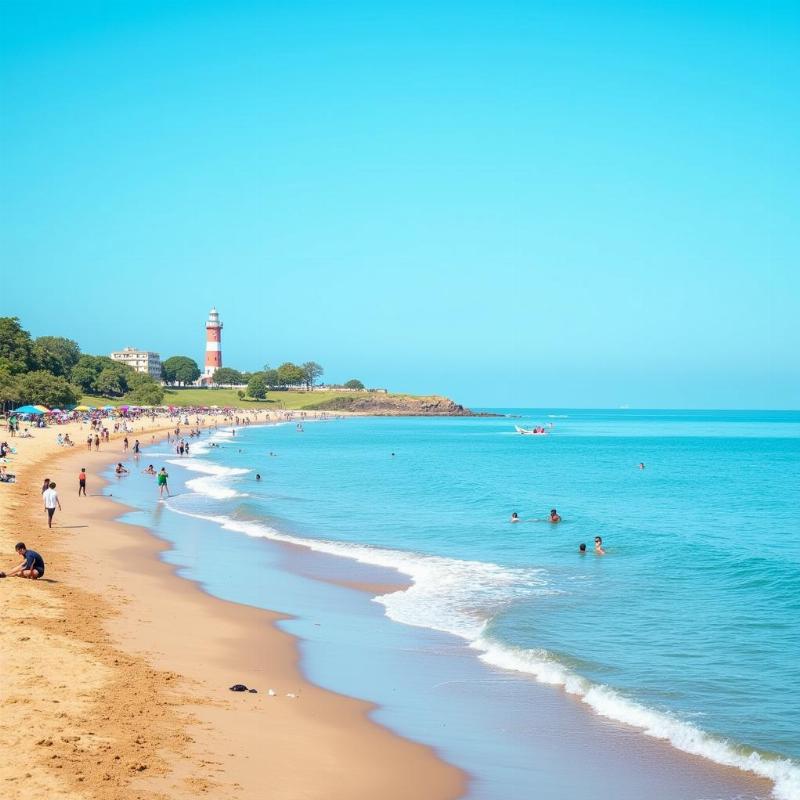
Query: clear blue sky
x=514 y=203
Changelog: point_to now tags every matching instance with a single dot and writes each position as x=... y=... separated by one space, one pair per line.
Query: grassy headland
x=364 y=402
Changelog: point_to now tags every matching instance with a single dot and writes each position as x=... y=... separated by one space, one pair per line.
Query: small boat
x=531 y=431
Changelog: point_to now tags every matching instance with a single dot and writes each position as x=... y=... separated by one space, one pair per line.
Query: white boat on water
x=531 y=431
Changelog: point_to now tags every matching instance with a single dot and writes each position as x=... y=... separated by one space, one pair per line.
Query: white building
x=140 y=360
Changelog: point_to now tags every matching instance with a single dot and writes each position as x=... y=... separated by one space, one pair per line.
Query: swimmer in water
x=641 y=465
x=515 y=517
x=258 y=477
x=598 y=546
x=151 y=470
x=120 y=470
x=582 y=548
x=554 y=516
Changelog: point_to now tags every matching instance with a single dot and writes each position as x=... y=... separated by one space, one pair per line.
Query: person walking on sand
x=125 y=445
x=45 y=485
x=51 y=501
x=89 y=442
x=162 y=482
x=82 y=482
x=97 y=442
x=32 y=565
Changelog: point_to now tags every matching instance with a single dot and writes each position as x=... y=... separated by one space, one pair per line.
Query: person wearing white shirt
x=51 y=502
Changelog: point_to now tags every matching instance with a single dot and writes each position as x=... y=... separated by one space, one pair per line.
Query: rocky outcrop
x=395 y=405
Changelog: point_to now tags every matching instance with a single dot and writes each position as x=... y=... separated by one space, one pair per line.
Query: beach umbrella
x=108 y=408
x=27 y=410
x=82 y=408
x=43 y=409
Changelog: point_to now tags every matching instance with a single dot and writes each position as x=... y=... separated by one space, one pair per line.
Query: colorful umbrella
x=27 y=410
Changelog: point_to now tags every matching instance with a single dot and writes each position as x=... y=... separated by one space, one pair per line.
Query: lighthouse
x=213 y=344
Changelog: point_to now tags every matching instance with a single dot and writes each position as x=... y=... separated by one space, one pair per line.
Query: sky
x=572 y=204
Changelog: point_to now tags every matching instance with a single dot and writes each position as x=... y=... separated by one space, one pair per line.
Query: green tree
x=180 y=369
x=16 y=347
x=271 y=377
x=227 y=376
x=55 y=354
x=354 y=383
x=111 y=382
x=86 y=372
x=311 y=372
x=53 y=391
x=9 y=389
x=257 y=386
x=290 y=374
x=145 y=391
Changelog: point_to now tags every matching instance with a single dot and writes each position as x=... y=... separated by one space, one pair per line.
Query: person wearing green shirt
x=162 y=482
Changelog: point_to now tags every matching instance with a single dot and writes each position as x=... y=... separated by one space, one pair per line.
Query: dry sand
x=114 y=672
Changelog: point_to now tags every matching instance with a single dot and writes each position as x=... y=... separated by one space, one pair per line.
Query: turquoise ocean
x=687 y=631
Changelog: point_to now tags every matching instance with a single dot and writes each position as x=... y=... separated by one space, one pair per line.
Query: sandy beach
x=116 y=672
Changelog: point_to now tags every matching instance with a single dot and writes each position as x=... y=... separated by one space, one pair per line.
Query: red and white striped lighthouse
x=213 y=344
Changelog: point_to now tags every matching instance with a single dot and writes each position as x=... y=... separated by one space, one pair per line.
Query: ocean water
x=688 y=629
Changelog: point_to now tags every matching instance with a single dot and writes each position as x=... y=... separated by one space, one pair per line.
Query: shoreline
x=154 y=648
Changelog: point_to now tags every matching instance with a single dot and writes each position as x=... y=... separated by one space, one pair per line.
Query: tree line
x=52 y=371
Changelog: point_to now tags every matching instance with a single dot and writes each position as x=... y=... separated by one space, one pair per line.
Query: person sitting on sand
x=598 y=546
x=32 y=565
x=120 y=470
x=515 y=517
x=554 y=516
x=151 y=470
x=67 y=441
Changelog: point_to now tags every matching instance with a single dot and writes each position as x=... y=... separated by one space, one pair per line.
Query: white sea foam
x=460 y=597
x=211 y=487
x=213 y=482
x=207 y=467
x=609 y=703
